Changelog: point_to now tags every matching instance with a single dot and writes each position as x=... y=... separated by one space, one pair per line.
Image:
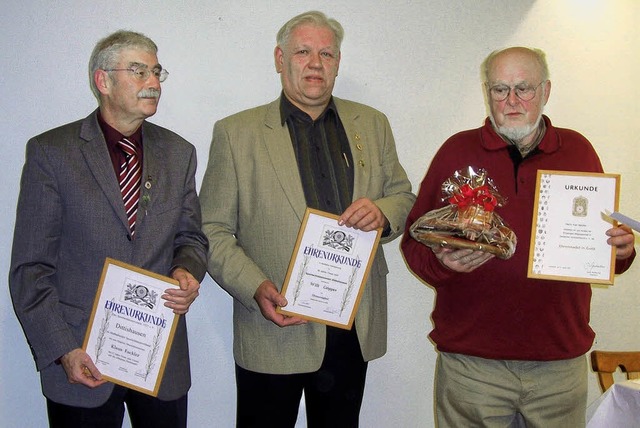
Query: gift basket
x=470 y=220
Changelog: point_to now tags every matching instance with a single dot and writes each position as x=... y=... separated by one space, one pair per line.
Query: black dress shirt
x=323 y=154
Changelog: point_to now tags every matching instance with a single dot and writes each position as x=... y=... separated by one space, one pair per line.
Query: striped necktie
x=130 y=174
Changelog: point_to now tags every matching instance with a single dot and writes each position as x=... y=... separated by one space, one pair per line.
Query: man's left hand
x=363 y=215
x=623 y=239
x=181 y=299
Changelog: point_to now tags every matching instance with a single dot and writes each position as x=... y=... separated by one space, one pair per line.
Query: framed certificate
x=568 y=240
x=130 y=330
x=328 y=269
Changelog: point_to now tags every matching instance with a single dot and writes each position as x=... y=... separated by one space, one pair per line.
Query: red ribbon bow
x=479 y=196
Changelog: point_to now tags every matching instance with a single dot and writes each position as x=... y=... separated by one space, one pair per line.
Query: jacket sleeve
x=34 y=256
x=397 y=198
x=228 y=263
x=190 y=243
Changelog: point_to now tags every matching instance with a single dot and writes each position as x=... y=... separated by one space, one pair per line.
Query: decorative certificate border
x=328 y=269
x=568 y=240
x=130 y=330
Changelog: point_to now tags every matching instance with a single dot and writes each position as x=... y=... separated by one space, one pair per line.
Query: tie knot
x=128 y=147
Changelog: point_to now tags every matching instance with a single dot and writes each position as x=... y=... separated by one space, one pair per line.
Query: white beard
x=516 y=134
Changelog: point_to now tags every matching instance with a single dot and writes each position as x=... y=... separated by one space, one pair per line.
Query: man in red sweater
x=511 y=349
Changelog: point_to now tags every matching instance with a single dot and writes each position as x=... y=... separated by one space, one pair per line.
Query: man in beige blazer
x=266 y=166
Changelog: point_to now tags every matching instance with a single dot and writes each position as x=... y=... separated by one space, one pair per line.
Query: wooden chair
x=605 y=363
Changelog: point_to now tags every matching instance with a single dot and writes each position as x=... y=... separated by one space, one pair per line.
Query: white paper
x=634 y=224
x=569 y=240
x=128 y=338
x=328 y=269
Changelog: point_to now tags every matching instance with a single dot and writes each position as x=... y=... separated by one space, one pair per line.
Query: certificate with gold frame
x=130 y=330
x=568 y=241
x=328 y=270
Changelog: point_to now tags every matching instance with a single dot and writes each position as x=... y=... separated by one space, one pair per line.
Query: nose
x=315 y=61
x=153 y=81
x=512 y=98
x=154 y=78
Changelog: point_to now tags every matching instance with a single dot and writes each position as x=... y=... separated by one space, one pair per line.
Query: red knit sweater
x=496 y=311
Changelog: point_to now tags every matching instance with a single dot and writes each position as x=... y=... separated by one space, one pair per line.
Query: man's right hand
x=268 y=298
x=461 y=260
x=80 y=368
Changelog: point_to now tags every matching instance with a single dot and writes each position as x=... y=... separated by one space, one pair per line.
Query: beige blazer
x=253 y=204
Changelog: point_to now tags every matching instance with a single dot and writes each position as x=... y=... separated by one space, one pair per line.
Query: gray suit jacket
x=70 y=217
x=253 y=204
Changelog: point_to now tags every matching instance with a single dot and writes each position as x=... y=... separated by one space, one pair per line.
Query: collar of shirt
x=112 y=136
x=524 y=151
x=288 y=109
x=548 y=139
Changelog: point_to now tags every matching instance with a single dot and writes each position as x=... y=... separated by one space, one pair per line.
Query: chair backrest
x=605 y=363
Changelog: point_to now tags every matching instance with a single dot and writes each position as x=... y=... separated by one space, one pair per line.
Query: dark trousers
x=144 y=412
x=333 y=394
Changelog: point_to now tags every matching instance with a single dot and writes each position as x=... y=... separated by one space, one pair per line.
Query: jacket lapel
x=152 y=158
x=359 y=144
x=99 y=161
x=282 y=157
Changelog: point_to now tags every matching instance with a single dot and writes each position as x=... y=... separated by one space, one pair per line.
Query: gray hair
x=106 y=52
x=538 y=54
x=315 y=18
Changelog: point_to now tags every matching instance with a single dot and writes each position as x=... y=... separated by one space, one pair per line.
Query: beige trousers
x=476 y=392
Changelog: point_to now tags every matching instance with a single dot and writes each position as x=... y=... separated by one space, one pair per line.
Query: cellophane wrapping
x=470 y=220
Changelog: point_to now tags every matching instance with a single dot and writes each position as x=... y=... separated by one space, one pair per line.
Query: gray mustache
x=149 y=93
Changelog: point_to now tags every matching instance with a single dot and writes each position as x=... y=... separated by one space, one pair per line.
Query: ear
x=338 y=62
x=278 y=57
x=547 y=91
x=102 y=81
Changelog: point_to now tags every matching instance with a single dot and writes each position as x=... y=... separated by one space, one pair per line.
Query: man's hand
x=463 y=261
x=363 y=215
x=268 y=297
x=80 y=368
x=623 y=239
x=180 y=299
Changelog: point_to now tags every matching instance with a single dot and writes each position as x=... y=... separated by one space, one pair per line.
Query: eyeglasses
x=142 y=72
x=522 y=91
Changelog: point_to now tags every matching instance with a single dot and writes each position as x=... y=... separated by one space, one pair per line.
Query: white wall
x=415 y=60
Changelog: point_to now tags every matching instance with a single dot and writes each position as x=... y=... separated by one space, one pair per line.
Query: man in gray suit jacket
x=266 y=166
x=71 y=216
